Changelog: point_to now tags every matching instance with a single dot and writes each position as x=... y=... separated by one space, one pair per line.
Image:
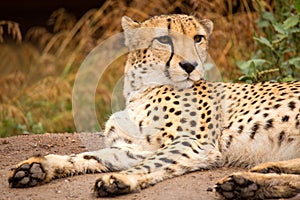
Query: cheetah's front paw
x=236 y=186
x=27 y=174
x=114 y=184
x=249 y=185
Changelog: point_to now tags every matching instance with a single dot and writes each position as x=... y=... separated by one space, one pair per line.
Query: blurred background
x=43 y=43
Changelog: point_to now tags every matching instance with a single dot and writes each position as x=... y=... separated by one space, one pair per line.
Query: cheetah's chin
x=188 y=83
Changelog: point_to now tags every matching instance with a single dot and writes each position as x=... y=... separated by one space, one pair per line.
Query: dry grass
x=37 y=76
x=13 y=30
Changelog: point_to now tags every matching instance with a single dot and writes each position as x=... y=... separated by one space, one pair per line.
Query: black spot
x=177 y=113
x=167 y=98
x=281 y=137
x=241 y=128
x=193 y=123
x=203 y=115
x=285 y=118
x=148 y=138
x=176 y=102
x=292 y=105
x=179 y=128
x=210 y=126
x=166 y=116
x=155 y=118
x=171 y=137
x=254 y=130
x=276 y=106
x=175 y=151
x=246 y=112
x=185 y=155
x=249 y=120
x=171 y=110
x=195 y=151
x=89 y=157
x=193 y=113
x=157 y=165
x=148 y=113
x=183 y=120
x=265 y=114
x=217 y=117
x=269 y=124
x=127 y=141
x=169 y=124
x=297 y=124
x=256 y=112
x=208 y=120
x=254 y=102
x=187 y=105
x=130 y=155
x=186 y=144
x=166 y=160
x=229 y=141
x=147 y=167
x=202 y=128
x=230 y=124
x=147 y=106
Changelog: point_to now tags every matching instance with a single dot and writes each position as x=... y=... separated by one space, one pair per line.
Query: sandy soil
x=195 y=185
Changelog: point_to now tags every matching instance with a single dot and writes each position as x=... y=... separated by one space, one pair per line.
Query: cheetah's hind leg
x=286 y=167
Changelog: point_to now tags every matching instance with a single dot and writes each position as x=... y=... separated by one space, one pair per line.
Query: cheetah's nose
x=187 y=66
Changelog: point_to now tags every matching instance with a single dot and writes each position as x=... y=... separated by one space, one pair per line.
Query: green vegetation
x=37 y=71
x=277 y=57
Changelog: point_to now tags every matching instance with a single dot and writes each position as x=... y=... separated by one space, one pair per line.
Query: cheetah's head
x=167 y=49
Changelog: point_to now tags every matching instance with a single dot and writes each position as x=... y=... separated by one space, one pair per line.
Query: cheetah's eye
x=165 y=39
x=198 y=38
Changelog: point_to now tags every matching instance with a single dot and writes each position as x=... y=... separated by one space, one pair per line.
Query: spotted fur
x=175 y=122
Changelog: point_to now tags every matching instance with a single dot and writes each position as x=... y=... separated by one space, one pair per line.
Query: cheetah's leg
x=42 y=169
x=267 y=180
x=251 y=185
x=181 y=156
x=286 y=167
x=123 y=152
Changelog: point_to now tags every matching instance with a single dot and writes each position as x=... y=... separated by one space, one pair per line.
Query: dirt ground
x=195 y=185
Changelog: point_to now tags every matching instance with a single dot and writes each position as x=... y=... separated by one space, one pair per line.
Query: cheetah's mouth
x=186 y=83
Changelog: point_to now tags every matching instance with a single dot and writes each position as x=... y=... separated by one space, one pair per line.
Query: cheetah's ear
x=128 y=26
x=209 y=25
x=128 y=23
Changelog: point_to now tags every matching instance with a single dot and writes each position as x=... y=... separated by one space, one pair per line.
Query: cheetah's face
x=167 y=49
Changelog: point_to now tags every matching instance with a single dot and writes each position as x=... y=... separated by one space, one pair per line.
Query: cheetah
x=176 y=122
